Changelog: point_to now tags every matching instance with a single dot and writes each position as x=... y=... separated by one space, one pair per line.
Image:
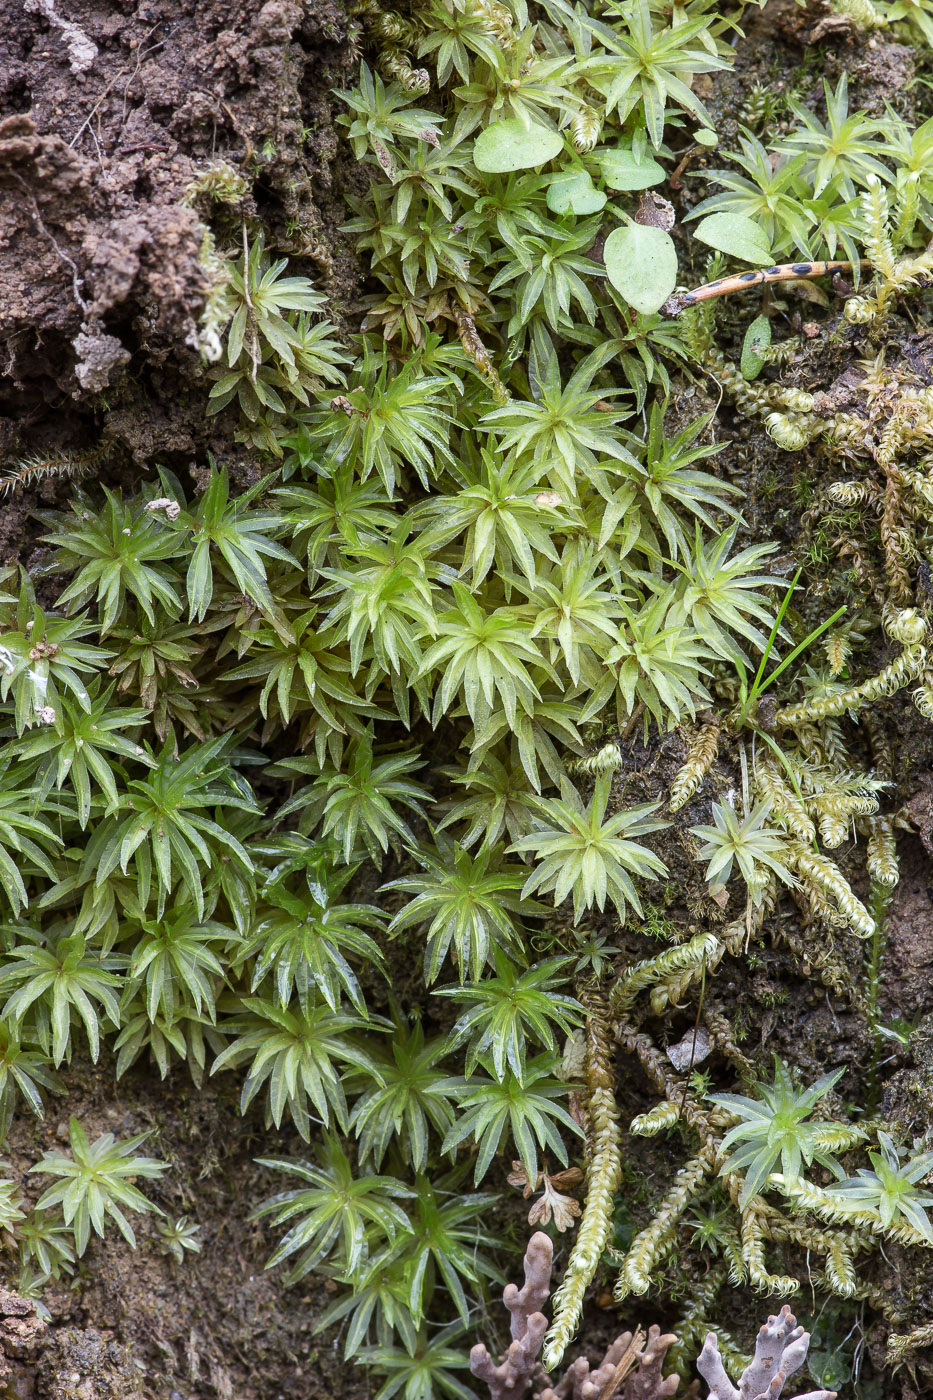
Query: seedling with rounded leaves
x=754 y=347
x=736 y=235
x=573 y=192
x=641 y=263
x=625 y=169
x=515 y=145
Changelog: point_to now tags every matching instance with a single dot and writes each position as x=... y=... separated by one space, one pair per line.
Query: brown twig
x=762 y=276
x=628 y=1359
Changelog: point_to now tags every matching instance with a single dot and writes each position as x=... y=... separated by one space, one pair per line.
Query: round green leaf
x=623 y=170
x=736 y=235
x=511 y=145
x=641 y=263
x=757 y=338
x=829 y=1368
x=574 y=193
x=705 y=137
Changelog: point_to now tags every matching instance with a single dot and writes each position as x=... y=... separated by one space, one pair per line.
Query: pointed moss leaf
x=757 y=339
x=574 y=193
x=736 y=235
x=624 y=170
x=511 y=145
x=641 y=264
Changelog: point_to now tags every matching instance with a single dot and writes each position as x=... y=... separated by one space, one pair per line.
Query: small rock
x=692 y=1050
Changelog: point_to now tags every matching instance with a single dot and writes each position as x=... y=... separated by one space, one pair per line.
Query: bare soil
x=136 y=1324
x=100 y=135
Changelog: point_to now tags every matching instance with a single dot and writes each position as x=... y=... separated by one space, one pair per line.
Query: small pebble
x=693 y=1049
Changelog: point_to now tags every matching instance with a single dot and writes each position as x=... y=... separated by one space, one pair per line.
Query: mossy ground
x=103 y=157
